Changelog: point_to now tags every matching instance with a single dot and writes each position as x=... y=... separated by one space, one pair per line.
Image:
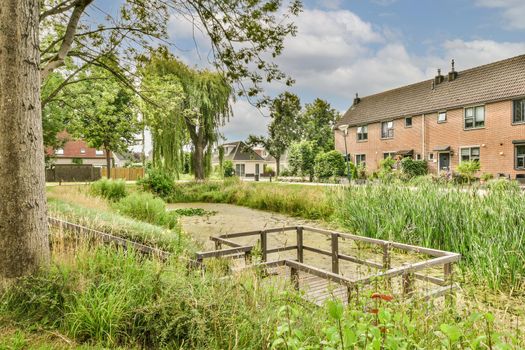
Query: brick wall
x=426 y=135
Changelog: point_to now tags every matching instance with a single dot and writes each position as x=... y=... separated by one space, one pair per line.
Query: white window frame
x=411 y=122
x=362 y=133
x=361 y=160
x=389 y=130
x=439 y=116
x=516 y=156
x=82 y=151
x=59 y=152
x=474 y=117
x=99 y=152
x=514 y=103
x=470 y=148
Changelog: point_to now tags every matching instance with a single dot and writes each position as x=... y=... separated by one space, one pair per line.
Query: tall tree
x=284 y=128
x=318 y=120
x=104 y=116
x=24 y=243
x=202 y=106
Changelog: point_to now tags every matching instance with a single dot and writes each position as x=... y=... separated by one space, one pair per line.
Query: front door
x=444 y=161
x=256 y=169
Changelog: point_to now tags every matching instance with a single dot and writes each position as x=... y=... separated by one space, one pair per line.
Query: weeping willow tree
x=188 y=105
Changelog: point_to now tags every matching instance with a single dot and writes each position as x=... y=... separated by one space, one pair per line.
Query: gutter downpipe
x=423 y=137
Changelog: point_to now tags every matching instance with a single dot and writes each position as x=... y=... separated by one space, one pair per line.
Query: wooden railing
x=384 y=270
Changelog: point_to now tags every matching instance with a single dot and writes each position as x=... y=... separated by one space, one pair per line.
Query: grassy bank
x=109 y=298
x=487 y=229
x=304 y=201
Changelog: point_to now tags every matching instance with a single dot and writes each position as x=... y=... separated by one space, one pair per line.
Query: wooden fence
x=72 y=173
x=128 y=174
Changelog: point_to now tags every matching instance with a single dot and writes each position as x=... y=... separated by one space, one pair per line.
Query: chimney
x=438 y=78
x=356 y=99
x=452 y=75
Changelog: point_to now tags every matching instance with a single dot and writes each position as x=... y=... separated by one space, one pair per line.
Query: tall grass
x=115 y=298
x=304 y=201
x=109 y=189
x=488 y=229
x=172 y=240
x=145 y=207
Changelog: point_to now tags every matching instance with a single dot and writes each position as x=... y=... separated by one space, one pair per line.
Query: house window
x=474 y=117
x=82 y=151
x=442 y=117
x=408 y=122
x=360 y=158
x=389 y=154
x=59 y=152
x=239 y=169
x=418 y=156
x=362 y=133
x=519 y=111
x=430 y=156
x=520 y=156
x=470 y=154
x=99 y=152
x=387 y=130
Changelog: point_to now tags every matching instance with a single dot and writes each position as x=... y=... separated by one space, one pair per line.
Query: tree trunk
x=24 y=246
x=277 y=166
x=108 y=163
x=198 y=161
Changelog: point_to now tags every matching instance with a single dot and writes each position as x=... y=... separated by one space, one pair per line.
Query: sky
x=344 y=47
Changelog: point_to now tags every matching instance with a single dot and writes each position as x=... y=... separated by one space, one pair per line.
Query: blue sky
x=367 y=46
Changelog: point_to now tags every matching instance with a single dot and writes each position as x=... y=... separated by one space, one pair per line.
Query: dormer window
x=59 y=152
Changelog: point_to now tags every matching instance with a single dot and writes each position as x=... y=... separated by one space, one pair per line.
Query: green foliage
x=77 y=161
x=386 y=168
x=301 y=158
x=119 y=225
x=103 y=112
x=468 y=169
x=317 y=122
x=193 y=212
x=157 y=181
x=503 y=185
x=145 y=207
x=113 y=190
x=329 y=164
x=486 y=176
x=444 y=218
x=229 y=170
x=412 y=168
x=284 y=128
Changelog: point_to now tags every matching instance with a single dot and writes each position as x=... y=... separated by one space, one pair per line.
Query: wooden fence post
x=335 y=253
x=300 y=253
x=408 y=282
x=387 y=262
x=294 y=276
x=264 y=246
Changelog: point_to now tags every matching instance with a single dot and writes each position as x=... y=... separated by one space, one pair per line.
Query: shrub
x=77 y=161
x=302 y=159
x=229 y=171
x=468 y=169
x=386 y=167
x=412 y=168
x=268 y=170
x=109 y=189
x=157 y=181
x=145 y=207
x=503 y=185
x=285 y=172
x=329 y=164
x=487 y=176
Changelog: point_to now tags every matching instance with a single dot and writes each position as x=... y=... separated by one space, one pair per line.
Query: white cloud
x=513 y=11
x=246 y=120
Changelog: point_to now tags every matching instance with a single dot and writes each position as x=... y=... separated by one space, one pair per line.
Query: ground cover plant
x=109 y=189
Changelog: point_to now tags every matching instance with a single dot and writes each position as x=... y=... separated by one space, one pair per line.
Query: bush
x=329 y=164
x=386 y=167
x=503 y=185
x=229 y=171
x=157 y=181
x=285 y=172
x=468 y=169
x=145 y=207
x=109 y=189
x=412 y=168
x=486 y=176
x=302 y=159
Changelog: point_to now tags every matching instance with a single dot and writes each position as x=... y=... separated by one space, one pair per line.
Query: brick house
x=476 y=114
x=78 y=151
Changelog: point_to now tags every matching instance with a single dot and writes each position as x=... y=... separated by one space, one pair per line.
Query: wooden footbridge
x=342 y=271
